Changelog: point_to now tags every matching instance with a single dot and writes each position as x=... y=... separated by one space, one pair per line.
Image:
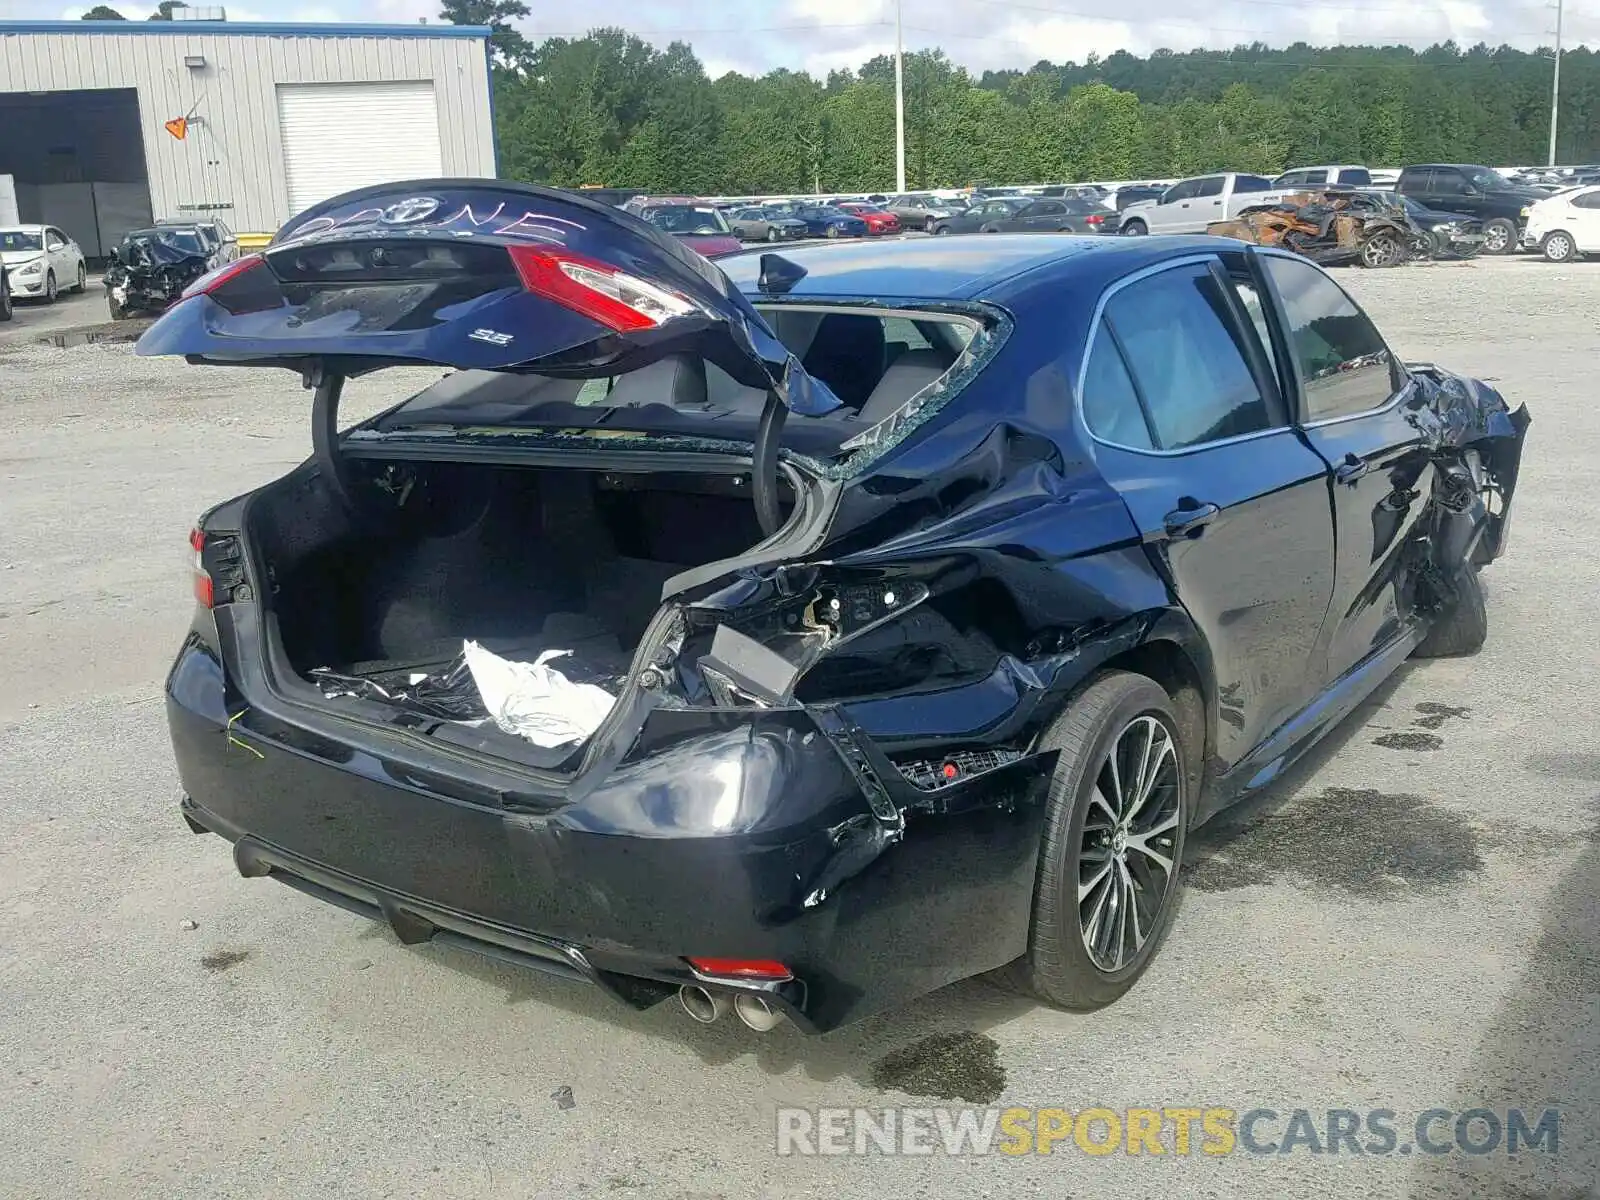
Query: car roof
x=959 y=268
x=24 y=227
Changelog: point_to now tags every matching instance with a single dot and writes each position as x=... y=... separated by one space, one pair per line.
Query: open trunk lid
x=477 y=274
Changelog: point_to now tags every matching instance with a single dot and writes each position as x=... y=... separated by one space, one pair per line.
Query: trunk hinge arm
x=327 y=386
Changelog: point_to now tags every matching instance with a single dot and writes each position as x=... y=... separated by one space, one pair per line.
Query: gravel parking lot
x=1410 y=922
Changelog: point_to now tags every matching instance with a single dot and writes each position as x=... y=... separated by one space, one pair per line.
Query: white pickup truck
x=1189 y=205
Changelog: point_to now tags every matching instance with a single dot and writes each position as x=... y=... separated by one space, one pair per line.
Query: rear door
x=1351 y=395
x=1209 y=204
x=1451 y=192
x=1583 y=212
x=1417 y=182
x=1189 y=424
x=1042 y=216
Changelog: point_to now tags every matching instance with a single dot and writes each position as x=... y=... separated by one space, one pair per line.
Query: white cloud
x=823 y=35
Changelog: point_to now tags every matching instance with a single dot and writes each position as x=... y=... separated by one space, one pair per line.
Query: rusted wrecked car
x=1331 y=228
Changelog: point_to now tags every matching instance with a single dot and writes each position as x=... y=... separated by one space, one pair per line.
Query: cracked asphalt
x=1411 y=921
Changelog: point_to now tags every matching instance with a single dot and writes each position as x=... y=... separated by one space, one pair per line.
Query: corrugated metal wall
x=233 y=153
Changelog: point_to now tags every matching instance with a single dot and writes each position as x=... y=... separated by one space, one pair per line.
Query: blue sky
x=818 y=35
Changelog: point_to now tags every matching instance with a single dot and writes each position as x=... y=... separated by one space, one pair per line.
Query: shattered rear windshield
x=891 y=368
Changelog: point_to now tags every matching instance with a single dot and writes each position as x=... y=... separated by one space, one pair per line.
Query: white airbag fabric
x=535 y=701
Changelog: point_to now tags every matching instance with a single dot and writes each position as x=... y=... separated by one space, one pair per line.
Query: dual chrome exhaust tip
x=705 y=1006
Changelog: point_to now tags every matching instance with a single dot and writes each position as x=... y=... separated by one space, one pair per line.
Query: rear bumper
x=717 y=836
x=637 y=982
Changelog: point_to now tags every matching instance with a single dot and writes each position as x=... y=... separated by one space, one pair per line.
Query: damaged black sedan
x=149 y=269
x=799 y=633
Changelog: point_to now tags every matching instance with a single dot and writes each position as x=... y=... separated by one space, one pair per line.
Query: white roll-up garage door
x=338 y=136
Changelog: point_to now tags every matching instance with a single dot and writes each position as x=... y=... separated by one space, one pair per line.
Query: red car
x=879 y=220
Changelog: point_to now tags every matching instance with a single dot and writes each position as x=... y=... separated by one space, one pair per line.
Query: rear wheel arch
x=1168 y=663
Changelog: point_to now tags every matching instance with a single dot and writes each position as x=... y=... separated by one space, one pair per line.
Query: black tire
x=772 y=233
x=941 y=230
x=928 y=226
x=1058 y=968
x=1499 y=236
x=1558 y=246
x=5 y=301
x=834 y=231
x=83 y=280
x=1462 y=625
x=1134 y=228
x=50 y=290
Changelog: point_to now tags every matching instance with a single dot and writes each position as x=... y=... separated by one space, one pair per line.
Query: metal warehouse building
x=105 y=125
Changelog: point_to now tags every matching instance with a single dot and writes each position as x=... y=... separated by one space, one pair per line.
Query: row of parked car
x=1444 y=208
x=147 y=270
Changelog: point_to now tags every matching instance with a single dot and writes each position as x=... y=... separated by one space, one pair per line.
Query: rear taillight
x=742 y=968
x=204 y=591
x=1094 y=219
x=597 y=290
x=218 y=568
x=217 y=276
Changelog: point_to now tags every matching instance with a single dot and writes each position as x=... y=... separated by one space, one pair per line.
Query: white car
x=41 y=262
x=1565 y=225
x=1189 y=205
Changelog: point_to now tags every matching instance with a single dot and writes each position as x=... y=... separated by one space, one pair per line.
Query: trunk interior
x=521 y=560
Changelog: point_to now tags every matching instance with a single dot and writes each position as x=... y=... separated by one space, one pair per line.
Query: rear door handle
x=1189 y=522
x=1351 y=469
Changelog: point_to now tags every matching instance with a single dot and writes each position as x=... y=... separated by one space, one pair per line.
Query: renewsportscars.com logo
x=1178 y=1131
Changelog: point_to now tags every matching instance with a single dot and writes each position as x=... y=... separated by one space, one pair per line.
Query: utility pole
x=1555 y=84
x=900 y=101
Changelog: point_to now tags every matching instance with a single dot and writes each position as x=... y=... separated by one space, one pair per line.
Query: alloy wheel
x=50 y=288
x=772 y=233
x=1380 y=251
x=1558 y=247
x=83 y=277
x=1495 y=239
x=1127 y=850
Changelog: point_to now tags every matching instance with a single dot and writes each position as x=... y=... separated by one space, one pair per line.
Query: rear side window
x=1111 y=406
x=1184 y=361
x=1210 y=186
x=1356 y=177
x=1251 y=183
x=1587 y=200
x=1345 y=368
